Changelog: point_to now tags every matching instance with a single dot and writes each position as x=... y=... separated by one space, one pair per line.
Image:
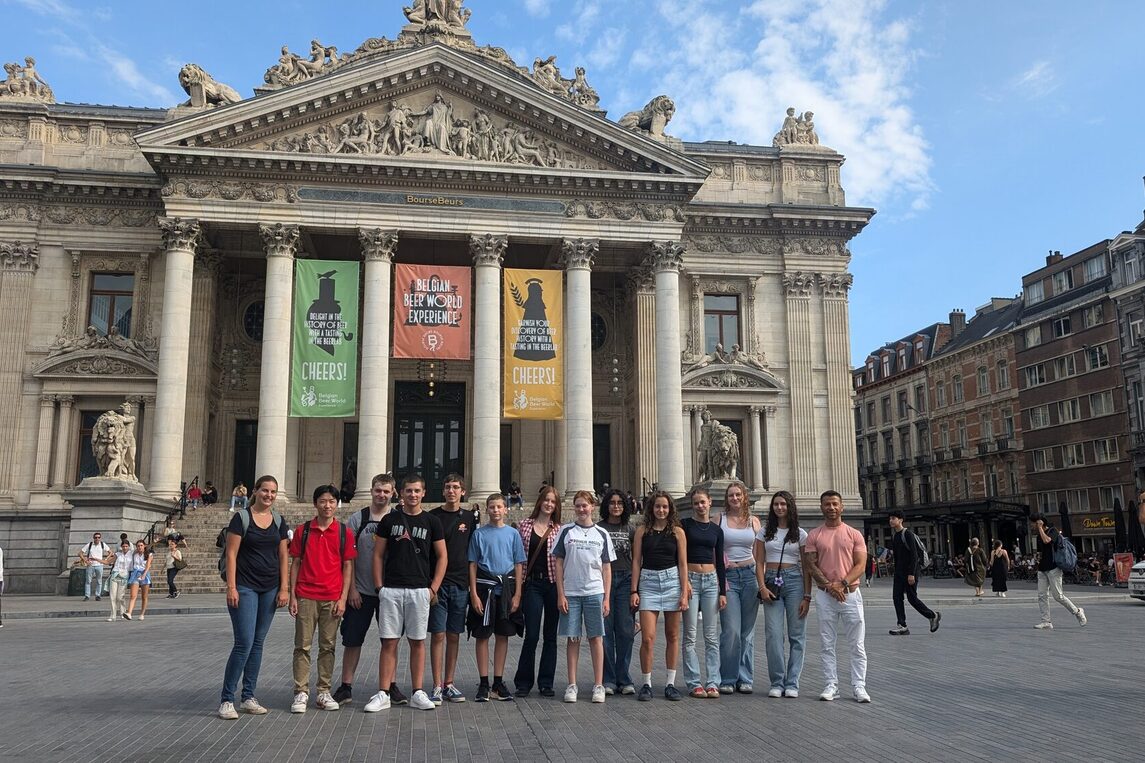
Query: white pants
x=118 y=596
x=850 y=613
x=1050 y=583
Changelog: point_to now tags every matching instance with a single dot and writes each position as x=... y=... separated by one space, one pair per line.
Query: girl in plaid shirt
x=539 y=534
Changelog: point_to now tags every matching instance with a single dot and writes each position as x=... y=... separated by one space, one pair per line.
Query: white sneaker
x=326 y=702
x=1081 y=618
x=775 y=693
x=791 y=693
x=598 y=694
x=421 y=701
x=299 y=703
x=830 y=694
x=861 y=695
x=111 y=619
x=570 y=693
x=252 y=706
x=227 y=711
x=380 y=701
x=1045 y=626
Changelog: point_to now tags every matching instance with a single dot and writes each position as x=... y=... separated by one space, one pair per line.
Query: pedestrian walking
x=175 y=565
x=737 y=619
x=785 y=593
x=117 y=590
x=707 y=579
x=620 y=622
x=976 y=564
x=93 y=556
x=999 y=569
x=256 y=563
x=908 y=569
x=139 y=579
x=1050 y=575
x=539 y=599
x=659 y=585
x=447 y=616
x=835 y=558
x=1 y=587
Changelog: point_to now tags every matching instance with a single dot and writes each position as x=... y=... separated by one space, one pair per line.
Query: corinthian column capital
x=579 y=253
x=666 y=256
x=279 y=240
x=179 y=233
x=835 y=285
x=378 y=245
x=488 y=250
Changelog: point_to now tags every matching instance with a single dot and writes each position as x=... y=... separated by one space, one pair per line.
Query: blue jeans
x=619 y=628
x=774 y=613
x=737 y=638
x=93 y=571
x=250 y=621
x=705 y=602
x=539 y=598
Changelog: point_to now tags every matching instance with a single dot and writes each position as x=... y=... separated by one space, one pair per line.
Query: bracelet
x=807 y=597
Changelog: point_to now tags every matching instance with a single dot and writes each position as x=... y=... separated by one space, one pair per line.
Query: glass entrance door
x=429 y=433
x=246 y=438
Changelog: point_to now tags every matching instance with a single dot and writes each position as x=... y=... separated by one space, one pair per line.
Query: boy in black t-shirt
x=410 y=560
x=447 y=615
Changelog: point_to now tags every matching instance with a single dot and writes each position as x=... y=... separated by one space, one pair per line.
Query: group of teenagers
x=447 y=572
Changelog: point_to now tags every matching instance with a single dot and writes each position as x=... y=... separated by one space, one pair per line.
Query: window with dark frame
x=110 y=302
x=721 y=321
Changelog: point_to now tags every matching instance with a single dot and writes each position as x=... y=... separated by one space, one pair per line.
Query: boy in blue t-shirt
x=496 y=566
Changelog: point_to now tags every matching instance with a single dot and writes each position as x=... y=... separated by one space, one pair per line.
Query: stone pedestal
x=717 y=489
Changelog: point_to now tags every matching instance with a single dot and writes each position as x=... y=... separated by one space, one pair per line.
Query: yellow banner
x=534 y=334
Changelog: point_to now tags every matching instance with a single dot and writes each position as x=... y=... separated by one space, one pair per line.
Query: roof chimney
x=1053 y=257
x=957 y=323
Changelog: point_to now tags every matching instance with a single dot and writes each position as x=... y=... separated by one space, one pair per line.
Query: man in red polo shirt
x=321 y=571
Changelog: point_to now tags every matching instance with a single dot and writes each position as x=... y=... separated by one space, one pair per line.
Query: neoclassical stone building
x=698 y=276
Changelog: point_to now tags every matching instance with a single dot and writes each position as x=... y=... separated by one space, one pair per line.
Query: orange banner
x=432 y=312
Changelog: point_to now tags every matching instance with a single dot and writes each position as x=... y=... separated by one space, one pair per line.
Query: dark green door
x=429 y=433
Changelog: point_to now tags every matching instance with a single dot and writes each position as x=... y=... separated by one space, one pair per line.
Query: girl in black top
x=659 y=584
x=707 y=580
x=620 y=624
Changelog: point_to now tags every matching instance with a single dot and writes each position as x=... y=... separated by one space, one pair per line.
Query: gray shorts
x=403 y=613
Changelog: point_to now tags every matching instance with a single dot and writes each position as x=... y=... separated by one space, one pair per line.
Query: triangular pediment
x=96 y=362
x=429 y=104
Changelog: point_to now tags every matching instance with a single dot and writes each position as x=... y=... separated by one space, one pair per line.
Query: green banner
x=324 y=369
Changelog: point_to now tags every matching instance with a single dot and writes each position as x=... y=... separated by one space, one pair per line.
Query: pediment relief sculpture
x=24 y=83
x=439 y=127
x=204 y=89
x=94 y=362
x=91 y=339
x=734 y=357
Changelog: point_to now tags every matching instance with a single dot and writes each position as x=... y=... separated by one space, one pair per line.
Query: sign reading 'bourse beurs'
x=324 y=368
x=432 y=312
x=533 y=345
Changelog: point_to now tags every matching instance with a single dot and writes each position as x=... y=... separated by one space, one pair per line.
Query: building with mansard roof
x=147 y=259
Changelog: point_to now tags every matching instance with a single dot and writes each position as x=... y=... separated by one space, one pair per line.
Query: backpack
x=1065 y=555
x=363 y=520
x=923 y=554
x=221 y=540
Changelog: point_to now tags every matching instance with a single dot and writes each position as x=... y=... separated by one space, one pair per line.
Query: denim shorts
x=587 y=609
x=448 y=615
x=660 y=590
x=137 y=576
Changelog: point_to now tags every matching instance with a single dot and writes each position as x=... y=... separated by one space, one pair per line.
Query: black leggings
x=171 y=573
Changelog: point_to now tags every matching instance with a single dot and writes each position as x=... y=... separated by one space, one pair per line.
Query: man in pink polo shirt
x=322 y=555
x=836 y=555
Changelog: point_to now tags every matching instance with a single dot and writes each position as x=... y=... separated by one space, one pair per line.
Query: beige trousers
x=314 y=614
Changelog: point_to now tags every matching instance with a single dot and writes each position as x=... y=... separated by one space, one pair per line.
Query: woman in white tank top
x=785 y=591
x=737 y=620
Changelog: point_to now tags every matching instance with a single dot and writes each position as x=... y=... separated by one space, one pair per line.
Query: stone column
x=756 y=450
x=281 y=242
x=180 y=237
x=642 y=285
x=18 y=265
x=696 y=428
x=770 y=477
x=667 y=259
x=577 y=255
x=799 y=287
x=690 y=445
x=44 y=442
x=560 y=454
x=378 y=249
x=143 y=429
x=61 y=477
x=485 y=455
x=840 y=403
x=199 y=385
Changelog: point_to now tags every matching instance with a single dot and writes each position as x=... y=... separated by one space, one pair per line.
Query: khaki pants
x=314 y=614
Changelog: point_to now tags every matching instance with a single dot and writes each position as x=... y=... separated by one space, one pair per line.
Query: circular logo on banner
x=433 y=341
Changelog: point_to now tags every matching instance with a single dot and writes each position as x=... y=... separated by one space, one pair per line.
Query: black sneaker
x=548 y=692
x=176 y=595
x=934 y=621
x=99 y=598
x=482 y=693
x=899 y=630
x=645 y=693
x=671 y=693
x=396 y=696
x=343 y=695
x=501 y=693
x=522 y=693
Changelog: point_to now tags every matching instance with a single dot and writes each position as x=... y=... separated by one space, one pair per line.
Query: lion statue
x=653 y=118
x=204 y=89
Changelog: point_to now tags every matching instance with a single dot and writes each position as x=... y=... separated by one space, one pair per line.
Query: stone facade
x=180 y=228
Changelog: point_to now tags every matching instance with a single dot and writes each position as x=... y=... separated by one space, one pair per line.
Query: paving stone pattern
x=987 y=686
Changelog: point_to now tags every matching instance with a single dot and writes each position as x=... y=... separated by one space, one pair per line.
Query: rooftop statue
x=25 y=83
x=797 y=130
x=204 y=89
x=438 y=15
x=652 y=119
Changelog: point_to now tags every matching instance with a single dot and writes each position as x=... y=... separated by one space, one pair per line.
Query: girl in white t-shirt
x=120 y=571
x=139 y=577
x=785 y=590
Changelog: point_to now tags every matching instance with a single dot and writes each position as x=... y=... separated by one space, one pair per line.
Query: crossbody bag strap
x=537 y=551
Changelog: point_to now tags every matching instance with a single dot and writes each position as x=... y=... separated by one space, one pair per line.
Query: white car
x=1137 y=581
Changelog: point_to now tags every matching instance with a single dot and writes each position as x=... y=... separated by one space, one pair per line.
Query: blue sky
x=985 y=133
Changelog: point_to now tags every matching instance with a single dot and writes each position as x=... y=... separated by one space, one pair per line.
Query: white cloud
x=538 y=8
x=127 y=72
x=584 y=17
x=1037 y=81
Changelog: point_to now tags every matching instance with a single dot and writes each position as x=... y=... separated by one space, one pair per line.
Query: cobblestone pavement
x=987 y=686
